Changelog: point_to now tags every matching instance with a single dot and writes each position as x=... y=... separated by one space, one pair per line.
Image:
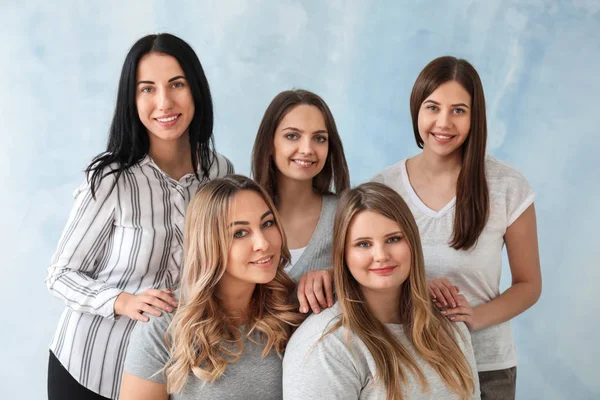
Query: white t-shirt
x=296 y=254
x=475 y=271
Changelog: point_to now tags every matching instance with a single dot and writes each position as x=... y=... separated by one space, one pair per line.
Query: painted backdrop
x=539 y=61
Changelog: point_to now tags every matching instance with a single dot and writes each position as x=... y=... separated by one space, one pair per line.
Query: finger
x=327 y=285
x=439 y=296
x=318 y=291
x=452 y=290
x=163 y=295
x=302 y=296
x=156 y=302
x=312 y=299
x=140 y=317
x=432 y=294
x=150 y=310
x=457 y=289
x=448 y=298
x=458 y=311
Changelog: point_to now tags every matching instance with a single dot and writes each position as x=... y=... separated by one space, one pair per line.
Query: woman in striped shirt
x=121 y=251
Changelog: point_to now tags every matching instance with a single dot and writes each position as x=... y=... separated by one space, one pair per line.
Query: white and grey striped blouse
x=128 y=239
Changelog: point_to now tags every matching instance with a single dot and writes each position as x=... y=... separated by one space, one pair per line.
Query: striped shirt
x=127 y=239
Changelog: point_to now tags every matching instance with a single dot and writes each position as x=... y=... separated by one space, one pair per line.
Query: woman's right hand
x=134 y=306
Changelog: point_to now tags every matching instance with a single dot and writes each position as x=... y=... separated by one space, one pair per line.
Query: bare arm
x=136 y=388
x=523 y=256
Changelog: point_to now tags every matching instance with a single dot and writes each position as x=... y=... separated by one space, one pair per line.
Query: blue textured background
x=539 y=62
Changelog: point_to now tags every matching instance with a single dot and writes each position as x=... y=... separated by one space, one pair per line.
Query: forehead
x=158 y=66
x=450 y=92
x=371 y=224
x=303 y=116
x=247 y=205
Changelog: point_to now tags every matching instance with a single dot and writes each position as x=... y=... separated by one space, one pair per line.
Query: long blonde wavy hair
x=202 y=338
x=431 y=334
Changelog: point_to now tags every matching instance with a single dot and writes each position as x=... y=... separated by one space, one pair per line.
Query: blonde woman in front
x=384 y=338
x=226 y=339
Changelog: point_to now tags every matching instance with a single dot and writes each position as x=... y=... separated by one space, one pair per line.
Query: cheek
x=274 y=238
x=357 y=261
x=238 y=254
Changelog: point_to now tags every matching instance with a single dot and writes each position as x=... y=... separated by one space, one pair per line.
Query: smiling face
x=445 y=119
x=301 y=143
x=163 y=98
x=255 y=251
x=376 y=252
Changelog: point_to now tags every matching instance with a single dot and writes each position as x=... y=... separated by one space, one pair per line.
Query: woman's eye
x=178 y=85
x=459 y=111
x=291 y=136
x=364 y=245
x=146 y=89
x=394 y=239
x=432 y=108
x=320 y=139
x=268 y=223
x=240 y=234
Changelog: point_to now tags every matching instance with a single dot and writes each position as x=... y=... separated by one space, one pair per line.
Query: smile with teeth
x=304 y=163
x=441 y=136
x=263 y=260
x=168 y=119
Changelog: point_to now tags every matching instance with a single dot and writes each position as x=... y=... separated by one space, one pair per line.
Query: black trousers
x=498 y=385
x=62 y=386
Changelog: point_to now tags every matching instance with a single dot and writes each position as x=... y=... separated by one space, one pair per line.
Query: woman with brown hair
x=234 y=318
x=299 y=159
x=468 y=205
x=384 y=338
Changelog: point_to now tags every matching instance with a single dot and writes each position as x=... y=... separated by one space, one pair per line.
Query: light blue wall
x=539 y=61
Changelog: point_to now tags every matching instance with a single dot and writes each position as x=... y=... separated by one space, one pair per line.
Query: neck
x=433 y=165
x=235 y=299
x=172 y=156
x=385 y=305
x=295 y=195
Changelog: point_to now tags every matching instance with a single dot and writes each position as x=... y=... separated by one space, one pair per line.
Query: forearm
x=512 y=302
x=82 y=293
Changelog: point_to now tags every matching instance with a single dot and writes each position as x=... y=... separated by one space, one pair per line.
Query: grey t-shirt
x=330 y=369
x=252 y=377
x=317 y=255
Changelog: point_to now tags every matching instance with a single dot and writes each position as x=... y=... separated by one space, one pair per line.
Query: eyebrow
x=266 y=214
x=452 y=105
x=386 y=236
x=291 y=128
x=170 y=80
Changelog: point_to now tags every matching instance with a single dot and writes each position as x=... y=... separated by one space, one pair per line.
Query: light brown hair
x=472 y=194
x=431 y=334
x=333 y=178
x=201 y=333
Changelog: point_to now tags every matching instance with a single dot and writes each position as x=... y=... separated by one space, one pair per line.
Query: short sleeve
x=519 y=195
x=315 y=368
x=147 y=353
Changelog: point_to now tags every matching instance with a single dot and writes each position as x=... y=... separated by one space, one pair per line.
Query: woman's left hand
x=462 y=312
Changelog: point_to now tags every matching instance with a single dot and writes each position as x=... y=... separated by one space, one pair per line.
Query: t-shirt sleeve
x=147 y=353
x=463 y=337
x=378 y=178
x=519 y=195
x=320 y=370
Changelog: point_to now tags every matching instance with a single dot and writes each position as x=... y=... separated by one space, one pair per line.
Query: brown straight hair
x=472 y=194
x=431 y=334
x=335 y=171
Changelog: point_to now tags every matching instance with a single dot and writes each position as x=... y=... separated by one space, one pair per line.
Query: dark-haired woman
x=299 y=159
x=120 y=253
x=468 y=205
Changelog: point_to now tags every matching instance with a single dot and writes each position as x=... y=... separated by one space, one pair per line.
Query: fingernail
x=443 y=312
x=317 y=311
x=303 y=310
x=453 y=305
x=169 y=309
x=452 y=318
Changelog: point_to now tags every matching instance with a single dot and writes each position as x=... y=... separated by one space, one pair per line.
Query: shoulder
x=330 y=202
x=155 y=329
x=390 y=174
x=462 y=335
x=104 y=185
x=313 y=328
x=220 y=166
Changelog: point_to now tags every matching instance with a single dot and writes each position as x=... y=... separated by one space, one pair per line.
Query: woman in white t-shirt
x=468 y=205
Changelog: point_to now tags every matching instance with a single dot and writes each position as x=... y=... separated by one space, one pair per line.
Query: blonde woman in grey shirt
x=226 y=339
x=384 y=339
x=299 y=159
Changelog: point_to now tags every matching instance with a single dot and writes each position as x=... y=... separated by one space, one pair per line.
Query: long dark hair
x=128 y=140
x=264 y=171
x=472 y=194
